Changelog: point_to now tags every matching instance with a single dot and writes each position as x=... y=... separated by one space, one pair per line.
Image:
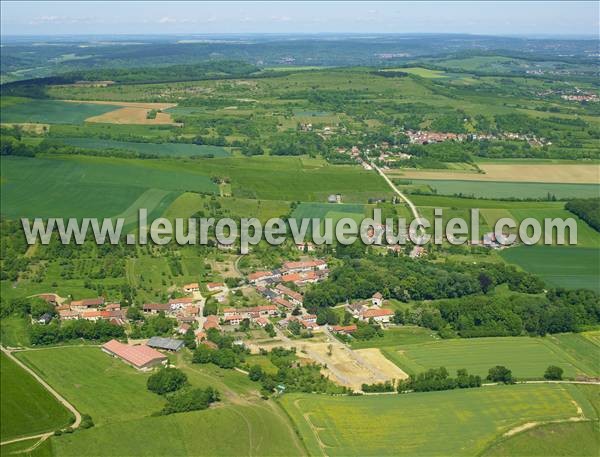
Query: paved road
x=58 y=396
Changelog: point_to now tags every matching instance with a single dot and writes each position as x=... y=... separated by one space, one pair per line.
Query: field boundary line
x=50 y=389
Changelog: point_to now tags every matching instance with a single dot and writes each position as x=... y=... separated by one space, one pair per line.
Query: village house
x=344 y=329
x=215 y=286
x=155 y=308
x=180 y=303
x=293 y=296
x=309 y=318
x=200 y=336
x=211 y=321
x=93 y=315
x=192 y=287
x=183 y=328
x=44 y=319
x=382 y=316
x=234 y=319
x=261 y=277
x=141 y=357
x=112 y=307
x=289 y=306
x=262 y=322
x=305 y=247
x=304 y=266
x=88 y=303
x=356 y=309
x=68 y=315
x=308 y=325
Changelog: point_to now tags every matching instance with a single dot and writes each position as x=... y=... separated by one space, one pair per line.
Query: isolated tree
x=553 y=373
x=500 y=373
x=255 y=373
x=166 y=380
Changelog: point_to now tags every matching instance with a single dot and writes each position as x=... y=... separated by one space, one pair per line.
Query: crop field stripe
x=459 y=422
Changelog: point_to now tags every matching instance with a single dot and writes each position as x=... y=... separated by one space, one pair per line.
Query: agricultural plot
x=87 y=186
x=158 y=149
x=559 y=266
x=53 y=112
x=26 y=407
x=527 y=357
x=459 y=422
x=492 y=189
x=502 y=172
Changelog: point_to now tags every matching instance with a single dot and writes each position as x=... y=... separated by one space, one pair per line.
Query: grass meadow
x=527 y=357
x=116 y=397
x=458 y=422
x=26 y=407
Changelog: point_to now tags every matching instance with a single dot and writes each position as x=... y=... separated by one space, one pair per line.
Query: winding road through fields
x=58 y=396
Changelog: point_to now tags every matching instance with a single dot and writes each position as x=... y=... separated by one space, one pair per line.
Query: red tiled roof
x=136 y=355
x=156 y=307
x=183 y=300
x=258 y=275
x=88 y=302
x=377 y=313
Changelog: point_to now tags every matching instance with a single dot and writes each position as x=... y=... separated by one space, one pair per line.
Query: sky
x=130 y=18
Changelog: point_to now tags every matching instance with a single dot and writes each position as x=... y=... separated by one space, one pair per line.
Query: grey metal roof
x=169 y=344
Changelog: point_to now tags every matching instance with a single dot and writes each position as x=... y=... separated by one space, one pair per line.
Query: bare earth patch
x=555 y=173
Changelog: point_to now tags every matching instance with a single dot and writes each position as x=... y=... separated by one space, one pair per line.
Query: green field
x=14 y=331
x=559 y=266
x=53 y=112
x=459 y=422
x=159 y=149
x=493 y=189
x=26 y=407
x=397 y=337
x=551 y=439
x=527 y=357
x=555 y=439
x=89 y=186
x=97 y=384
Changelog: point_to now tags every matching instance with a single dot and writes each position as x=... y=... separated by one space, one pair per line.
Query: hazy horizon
x=521 y=19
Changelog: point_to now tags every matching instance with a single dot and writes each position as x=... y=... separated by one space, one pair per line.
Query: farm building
x=140 y=357
x=167 y=344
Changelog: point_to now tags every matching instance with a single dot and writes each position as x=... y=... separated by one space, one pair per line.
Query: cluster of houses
x=299 y=273
x=91 y=309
